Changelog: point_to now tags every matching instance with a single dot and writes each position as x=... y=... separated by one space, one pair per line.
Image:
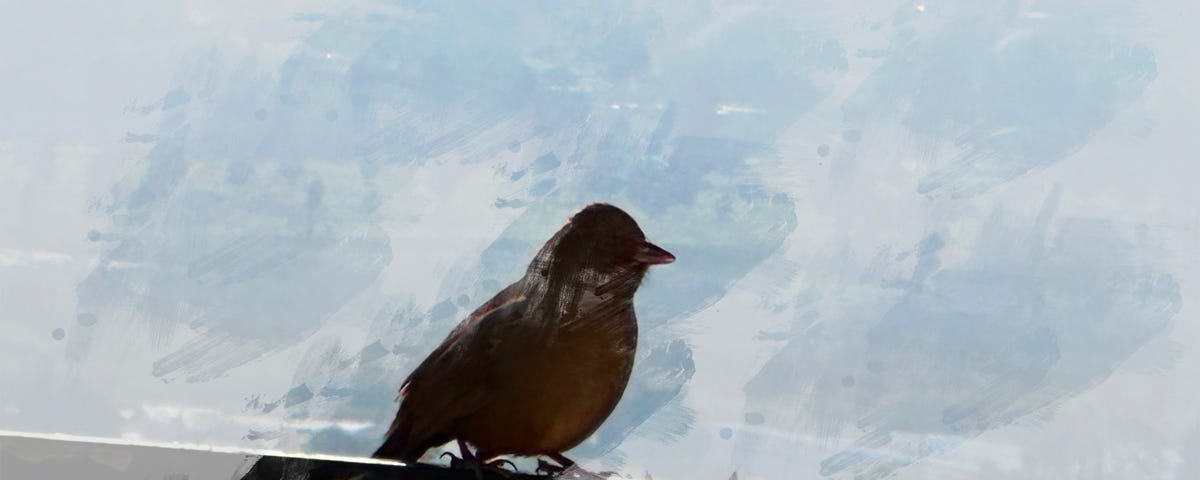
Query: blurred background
x=939 y=239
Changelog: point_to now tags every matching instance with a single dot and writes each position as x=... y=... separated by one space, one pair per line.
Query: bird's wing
x=508 y=295
x=453 y=381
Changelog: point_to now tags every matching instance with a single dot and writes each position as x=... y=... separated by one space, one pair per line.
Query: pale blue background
x=941 y=239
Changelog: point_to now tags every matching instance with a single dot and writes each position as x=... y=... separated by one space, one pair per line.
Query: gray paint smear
x=670 y=165
x=1037 y=315
x=1013 y=86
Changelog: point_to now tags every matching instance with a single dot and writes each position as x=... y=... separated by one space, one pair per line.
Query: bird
x=538 y=368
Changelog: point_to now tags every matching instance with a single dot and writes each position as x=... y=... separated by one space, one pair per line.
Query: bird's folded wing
x=456 y=380
x=509 y=295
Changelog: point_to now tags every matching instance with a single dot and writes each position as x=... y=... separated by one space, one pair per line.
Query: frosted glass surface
x=950 y=240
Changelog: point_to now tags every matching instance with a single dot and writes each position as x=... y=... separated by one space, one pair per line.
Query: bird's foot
x=549 y=468
x=474 y=464
x=562 y=466
x=454 y=459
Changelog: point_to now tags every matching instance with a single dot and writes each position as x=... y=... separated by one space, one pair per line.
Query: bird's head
x=602 y=239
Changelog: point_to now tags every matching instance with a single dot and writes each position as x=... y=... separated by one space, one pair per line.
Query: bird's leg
x=475 y=462
x=465 y=459
x=470 y=460
x=564 y=461
x=454 y=460
x=564 y=464
x=550 y=468
x=461 y=459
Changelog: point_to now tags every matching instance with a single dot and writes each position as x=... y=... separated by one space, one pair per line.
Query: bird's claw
x=471 y=463
x=455 y=460
x=549 y=468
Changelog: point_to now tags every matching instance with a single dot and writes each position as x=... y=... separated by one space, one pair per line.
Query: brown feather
x=541 y=365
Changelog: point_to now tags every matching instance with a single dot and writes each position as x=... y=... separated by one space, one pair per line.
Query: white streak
x=10 y=257
x=133 y=442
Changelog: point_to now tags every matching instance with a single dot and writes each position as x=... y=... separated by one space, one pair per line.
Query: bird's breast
x=560 y=375
x=566 y=383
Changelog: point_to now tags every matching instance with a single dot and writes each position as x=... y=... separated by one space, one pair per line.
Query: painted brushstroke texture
x=668 y=161
x=1013 y=86
x=933 y=239
x=230 y=226
x=1031 y=318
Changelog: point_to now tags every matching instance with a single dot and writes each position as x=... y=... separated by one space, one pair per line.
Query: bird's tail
x=393 y=448
x=400 y=443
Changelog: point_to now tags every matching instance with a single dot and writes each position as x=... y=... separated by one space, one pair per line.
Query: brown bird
x=539 y=367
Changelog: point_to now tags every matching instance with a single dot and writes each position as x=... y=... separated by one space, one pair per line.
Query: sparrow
x=537 y=368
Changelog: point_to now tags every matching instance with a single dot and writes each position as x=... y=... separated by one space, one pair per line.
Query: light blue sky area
x=938 y=239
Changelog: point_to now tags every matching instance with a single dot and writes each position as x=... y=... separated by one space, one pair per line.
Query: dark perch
x=288 y=468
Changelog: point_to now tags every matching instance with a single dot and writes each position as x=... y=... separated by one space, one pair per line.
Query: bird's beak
x=652 y=254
